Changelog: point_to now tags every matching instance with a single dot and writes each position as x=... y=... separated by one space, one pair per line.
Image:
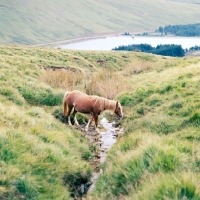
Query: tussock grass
x=166 y=186
x=132 y=168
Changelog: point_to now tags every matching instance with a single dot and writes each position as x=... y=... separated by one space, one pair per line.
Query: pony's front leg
x=96 y=123
x=89 y=122
x=76 y=121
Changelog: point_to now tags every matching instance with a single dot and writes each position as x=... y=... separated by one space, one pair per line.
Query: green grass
x=42 y=22
x=158 y=157
x=41 y=158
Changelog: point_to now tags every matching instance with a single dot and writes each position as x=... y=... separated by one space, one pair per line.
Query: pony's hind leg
x=89 y=122
x=67 y=110
x=75 y=120
x=68 y=115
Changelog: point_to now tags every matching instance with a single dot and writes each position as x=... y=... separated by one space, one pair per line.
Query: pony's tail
x=65 y=103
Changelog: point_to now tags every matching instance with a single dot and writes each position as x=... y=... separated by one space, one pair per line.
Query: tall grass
x=66 y=80
x=107 y=83
x=137 y=67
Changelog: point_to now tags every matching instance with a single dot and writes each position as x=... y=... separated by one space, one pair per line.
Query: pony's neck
x=105 y=104
x=109 y=105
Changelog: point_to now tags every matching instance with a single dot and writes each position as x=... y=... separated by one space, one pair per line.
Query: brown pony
x=93 y=105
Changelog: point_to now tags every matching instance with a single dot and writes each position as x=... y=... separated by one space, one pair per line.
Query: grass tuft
x=26 y=188
x=195 y=118
x=13 y=95
x=37 y=96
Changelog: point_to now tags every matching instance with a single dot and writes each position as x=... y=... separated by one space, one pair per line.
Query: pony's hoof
x=97 y=130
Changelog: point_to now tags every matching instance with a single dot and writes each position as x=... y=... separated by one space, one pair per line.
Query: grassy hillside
x=159 y=155
x=41 y=158
x=32 y=22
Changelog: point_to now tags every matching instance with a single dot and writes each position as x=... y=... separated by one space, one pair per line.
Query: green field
x=36 y=22
x=42 y=158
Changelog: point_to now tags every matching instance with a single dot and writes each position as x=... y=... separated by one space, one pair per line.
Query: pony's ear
x=117 y=104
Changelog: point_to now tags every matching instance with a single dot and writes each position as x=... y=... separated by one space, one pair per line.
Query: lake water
x=109 y=43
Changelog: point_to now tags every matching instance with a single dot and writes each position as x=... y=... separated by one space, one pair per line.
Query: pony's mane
x=105 y=104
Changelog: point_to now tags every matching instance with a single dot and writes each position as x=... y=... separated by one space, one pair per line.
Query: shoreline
x=85 y=38
x=79 y=39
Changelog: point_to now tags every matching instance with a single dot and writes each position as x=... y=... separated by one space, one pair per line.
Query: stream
x=105 y=141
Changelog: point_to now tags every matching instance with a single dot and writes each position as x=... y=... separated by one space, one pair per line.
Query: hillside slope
x=40 y=156
x=158 y=157
x=33 y=22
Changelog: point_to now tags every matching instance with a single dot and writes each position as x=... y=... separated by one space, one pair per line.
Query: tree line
x=165 y=50
x=195 y=48
x=188 y=30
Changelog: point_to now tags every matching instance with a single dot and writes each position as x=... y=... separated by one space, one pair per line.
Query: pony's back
x=65 y=95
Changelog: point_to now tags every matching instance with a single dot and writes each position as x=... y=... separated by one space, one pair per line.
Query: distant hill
x=187 y=1
x=33 y=22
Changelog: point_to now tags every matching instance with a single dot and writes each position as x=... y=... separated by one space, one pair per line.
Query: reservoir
x=108 y=43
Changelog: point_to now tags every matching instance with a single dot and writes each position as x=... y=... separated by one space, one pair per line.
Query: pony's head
x=118 y=110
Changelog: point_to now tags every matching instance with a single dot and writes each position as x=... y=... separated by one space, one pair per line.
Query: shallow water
x=107 y=140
